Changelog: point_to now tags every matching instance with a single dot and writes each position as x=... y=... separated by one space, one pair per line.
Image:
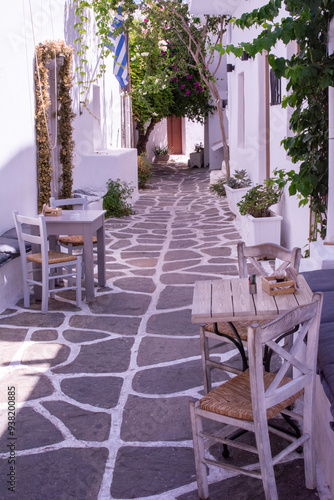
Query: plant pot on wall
x=257 y=230
x=161 y=158
x=233 y=197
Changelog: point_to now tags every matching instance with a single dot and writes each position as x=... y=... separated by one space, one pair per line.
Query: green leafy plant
x=115 y=201
x=258 y=200
x=144 y=171
x=198 y=148
x=218 y=187
x=240 y=179
x=161 y=150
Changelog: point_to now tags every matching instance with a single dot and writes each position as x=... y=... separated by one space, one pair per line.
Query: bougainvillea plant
x=46 y=52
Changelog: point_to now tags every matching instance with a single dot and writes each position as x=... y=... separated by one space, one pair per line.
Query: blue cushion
x=4 y=257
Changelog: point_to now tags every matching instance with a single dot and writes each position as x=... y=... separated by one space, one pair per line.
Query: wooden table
x=86 y=223
x=230 y=300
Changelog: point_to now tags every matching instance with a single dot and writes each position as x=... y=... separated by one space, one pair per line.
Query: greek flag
x=119 y=48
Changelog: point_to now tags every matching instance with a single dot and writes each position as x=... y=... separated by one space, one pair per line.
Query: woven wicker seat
x=253 y=255
x=52 y=263
x=247 y=402
x=74 y=240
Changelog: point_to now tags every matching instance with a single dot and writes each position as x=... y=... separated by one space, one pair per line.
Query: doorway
x=174 y=134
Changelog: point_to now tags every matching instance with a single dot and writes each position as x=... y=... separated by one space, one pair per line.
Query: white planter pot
x=257 y=230
x=233 y=197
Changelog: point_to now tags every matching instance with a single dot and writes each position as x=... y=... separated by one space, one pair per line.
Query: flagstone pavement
x=102 y=392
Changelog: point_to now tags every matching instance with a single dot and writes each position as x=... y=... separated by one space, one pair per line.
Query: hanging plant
x=46 y=52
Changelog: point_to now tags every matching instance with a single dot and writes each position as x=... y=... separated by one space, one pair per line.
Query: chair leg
x=201 y=472
x=45 y=291
x=265 y=460
x=78 y=281
x=309 y=446
x=205 y=356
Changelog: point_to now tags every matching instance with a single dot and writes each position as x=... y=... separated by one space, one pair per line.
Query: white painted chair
x=52 y=264
x=249 y=400
x=236 y=333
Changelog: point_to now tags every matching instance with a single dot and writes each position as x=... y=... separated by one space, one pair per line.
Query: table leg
x=101 y=254
x=89 y=263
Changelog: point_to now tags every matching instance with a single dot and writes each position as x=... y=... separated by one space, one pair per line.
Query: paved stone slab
x=174 y=378
x=44 y=335
x=112 y=324
x=172 y=323
x=176 y=244
x=140 y=472
x=175 y=297
x=221 y=251
x=44 y=356
x=188 y=278
x=146 y=262
x=148 y=419
x=143 y=272
x=138 y=255
x=153 y=350
x=102 y=392
x=59 y=474
x=11 y=340
x=32 y=430
x=175 y=266
x=29 y=383
x=181 y=255
x=145 y=285
x=83 y=424
x=109 y=356
x=79 y=336
x=118 y=303
x=27 y=320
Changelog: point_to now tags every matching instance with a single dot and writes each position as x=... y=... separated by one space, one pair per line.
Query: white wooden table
x=86 y=223
x=230 y=300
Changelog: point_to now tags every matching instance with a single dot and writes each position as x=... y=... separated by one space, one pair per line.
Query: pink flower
x=189 y=77
x=182 y=86
x=145 y=20
x=187 y=92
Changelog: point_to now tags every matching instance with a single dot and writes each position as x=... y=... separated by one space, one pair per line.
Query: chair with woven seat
x=251 y=399
x=47 y=265
x=73 y=241
x=236 y=333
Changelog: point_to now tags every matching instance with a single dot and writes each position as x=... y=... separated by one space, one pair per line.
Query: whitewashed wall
x=18 y=175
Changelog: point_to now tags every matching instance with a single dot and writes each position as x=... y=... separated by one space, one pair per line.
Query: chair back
x=301 y=355
x=32 y=230
x=80 y=201
x=266 y=251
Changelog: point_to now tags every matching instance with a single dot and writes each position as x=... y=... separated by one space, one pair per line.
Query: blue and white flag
x=119 y=48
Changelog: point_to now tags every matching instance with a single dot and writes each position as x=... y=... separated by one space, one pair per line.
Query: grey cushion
x=4 y=257
x=327 y=315
x=9 y=245
x=321 y=280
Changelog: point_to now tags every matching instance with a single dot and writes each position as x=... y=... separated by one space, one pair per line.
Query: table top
x=75 y=216
x=229 y=299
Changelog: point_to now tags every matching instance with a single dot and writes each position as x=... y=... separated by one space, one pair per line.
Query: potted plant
x=196 y=158
x=161 y=153
x=234 y=188
x=259 y=224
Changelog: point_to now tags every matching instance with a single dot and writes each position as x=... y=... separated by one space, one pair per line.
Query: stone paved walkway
x=103 y=391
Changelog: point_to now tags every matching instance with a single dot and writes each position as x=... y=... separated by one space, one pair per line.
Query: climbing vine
x=46 y=52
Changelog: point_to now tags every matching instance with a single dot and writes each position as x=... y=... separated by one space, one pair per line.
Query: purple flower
x=189 y=77
x=182 y=86
x=187 y=92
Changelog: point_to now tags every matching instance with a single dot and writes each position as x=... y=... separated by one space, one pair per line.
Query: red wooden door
x=174 y=134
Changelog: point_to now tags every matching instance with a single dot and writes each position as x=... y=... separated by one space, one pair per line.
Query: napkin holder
x=274 y=286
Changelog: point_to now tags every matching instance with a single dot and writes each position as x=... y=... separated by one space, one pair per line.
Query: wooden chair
x=251 y=399
x=52 y=263
x=236 y=333
x=73 y=241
